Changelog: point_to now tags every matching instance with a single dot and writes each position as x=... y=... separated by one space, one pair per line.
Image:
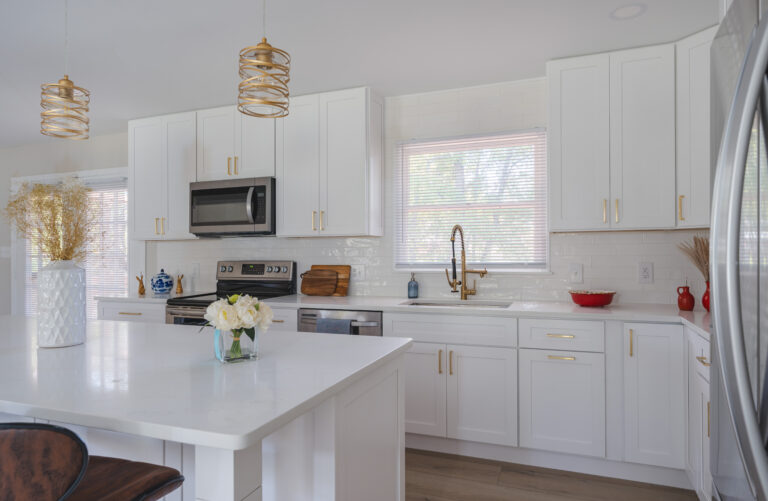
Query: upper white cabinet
x=642 y=137
x=231 y=144
x=694 y=162
x=329 y=165
x=578 y=142
x=654 y=394
x=161 y=156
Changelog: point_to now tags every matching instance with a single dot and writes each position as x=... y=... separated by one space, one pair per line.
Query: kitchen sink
x=454 y=302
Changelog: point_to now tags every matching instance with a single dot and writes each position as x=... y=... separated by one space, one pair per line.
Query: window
x=106 y=261
x=495 y=187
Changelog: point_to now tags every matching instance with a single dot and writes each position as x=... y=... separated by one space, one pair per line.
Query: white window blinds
x=106 y=262
x=495 y=187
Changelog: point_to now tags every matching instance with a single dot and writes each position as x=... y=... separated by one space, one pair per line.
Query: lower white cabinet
x=284 y=319
x=425 y=389
x=462 y=392
x=482 y=394
x=562 y=401
x=699 y=429
x=131 y=311
x=654 y=394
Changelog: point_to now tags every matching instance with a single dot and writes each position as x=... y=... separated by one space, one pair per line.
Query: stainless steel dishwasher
x=357 y=323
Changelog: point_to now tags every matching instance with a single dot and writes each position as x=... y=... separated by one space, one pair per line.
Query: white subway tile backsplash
x=610 y=259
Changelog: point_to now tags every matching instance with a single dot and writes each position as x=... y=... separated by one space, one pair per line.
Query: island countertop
x=162 y=381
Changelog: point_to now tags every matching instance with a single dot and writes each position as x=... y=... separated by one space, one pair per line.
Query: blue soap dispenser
x=413 y=287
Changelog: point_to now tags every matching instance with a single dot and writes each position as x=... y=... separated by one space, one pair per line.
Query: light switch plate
x=576 y=273
x=645 y=273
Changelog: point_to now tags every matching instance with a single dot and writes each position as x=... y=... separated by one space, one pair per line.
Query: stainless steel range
x=261 y=279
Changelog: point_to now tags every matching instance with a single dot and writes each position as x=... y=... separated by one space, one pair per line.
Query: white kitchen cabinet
x=329 y=165
x=694 y=162
x=425 y=389
x=562 y=401
x=231 y=144
x=697 y=460
x=131 y=311
x=642 y=137
x=161 y=156
x=482 y=394
x=578 y=142
x=654 y=394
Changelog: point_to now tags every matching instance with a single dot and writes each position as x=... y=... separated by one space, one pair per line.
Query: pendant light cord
x=66 y=37
x=264 y=18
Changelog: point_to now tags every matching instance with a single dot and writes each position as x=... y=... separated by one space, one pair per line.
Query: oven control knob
x=223 y=269
x=269 y=269
x=285 y=269
x=229 y=269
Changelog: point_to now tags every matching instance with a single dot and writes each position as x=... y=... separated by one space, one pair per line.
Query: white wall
x=49 y=156
x=610 y=259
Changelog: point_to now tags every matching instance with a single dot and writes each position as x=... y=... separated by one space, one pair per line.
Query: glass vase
x=235 y=346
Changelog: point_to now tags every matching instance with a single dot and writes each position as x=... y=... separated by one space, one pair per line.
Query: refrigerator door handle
x=724 y=255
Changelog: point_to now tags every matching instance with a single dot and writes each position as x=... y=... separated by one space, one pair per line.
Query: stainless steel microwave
x=232 y=207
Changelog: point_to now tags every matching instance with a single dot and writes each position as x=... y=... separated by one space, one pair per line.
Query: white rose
x=265 y=316
x=222 y=315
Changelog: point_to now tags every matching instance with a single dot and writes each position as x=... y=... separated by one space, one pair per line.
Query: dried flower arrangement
x=57 y=216
x=698 y=253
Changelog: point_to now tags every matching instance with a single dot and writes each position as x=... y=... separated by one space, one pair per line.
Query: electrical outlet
x=645 y=273
x=576 y=273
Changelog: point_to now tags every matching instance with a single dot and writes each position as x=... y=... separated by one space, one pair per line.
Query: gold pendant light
x=265 y=73
x=65 y=105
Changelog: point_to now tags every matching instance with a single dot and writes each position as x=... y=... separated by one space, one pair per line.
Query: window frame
x=18 y=243
x=399 y=185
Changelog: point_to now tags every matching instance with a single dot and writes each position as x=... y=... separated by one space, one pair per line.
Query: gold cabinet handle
x=707 y=419
x=439 y=361
x=617 y=210
x=162 y=226
x=314 y=213
x=557 y=357
x=703 y=361
x=278 y=321
x=631 y=343
x=322 y=228
x=605 y=210
x=450 y=362
x=157 y=219
x=129 y=313
x=680 y=207
x=562 y=336
x=236 y=166
x=229 y=166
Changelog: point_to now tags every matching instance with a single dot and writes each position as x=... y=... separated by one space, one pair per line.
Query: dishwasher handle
x=356 y=323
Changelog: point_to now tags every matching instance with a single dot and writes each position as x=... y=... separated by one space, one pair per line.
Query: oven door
x=185 y=315
x=232 y=207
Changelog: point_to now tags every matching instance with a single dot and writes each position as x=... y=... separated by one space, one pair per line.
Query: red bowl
x=592 y=298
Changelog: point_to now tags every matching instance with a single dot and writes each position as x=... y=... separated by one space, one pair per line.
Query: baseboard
x=568 y=462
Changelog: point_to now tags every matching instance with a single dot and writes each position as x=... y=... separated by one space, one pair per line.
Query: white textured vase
x=60 y=305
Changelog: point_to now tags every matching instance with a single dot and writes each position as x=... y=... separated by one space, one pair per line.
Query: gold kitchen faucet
x=465 y=291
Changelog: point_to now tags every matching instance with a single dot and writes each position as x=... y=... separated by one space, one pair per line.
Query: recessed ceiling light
x=630 y=11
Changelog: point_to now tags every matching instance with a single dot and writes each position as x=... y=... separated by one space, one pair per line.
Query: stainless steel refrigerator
x=739 y=255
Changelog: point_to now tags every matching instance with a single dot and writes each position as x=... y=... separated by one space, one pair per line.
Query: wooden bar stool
x=47 y=462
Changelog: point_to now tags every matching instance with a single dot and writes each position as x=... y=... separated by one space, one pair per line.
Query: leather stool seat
x=112 y=479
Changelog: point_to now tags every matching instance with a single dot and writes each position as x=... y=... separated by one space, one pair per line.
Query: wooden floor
x=430 y=476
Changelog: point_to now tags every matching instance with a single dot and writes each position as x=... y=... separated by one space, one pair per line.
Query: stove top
x=260 y=279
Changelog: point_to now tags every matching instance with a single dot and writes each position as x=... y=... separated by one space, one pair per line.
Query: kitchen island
x=316 y=417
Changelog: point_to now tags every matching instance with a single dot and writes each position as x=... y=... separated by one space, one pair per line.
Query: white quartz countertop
x=162 y=381
x=149 y=297
x=666 y=313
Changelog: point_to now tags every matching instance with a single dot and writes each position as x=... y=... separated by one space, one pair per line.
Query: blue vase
x=162 y=283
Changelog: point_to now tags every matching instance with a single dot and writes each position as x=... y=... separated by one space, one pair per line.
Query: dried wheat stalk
x=698 y=253
x=56 y=216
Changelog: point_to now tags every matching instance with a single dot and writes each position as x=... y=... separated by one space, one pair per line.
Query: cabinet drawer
x=570 y=335
x=701 y=354
x=132 y=312
x=284 y=319
x=452 y=329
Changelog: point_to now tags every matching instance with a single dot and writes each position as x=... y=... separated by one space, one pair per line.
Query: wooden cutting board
x=319 y=282
x=343 y=270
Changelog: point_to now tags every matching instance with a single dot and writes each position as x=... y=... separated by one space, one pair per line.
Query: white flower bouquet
x=238 y=315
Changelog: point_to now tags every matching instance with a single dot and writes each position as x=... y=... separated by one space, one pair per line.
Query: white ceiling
x=148 y=57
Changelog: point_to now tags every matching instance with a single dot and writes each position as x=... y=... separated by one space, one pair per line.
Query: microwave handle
x=249 y=205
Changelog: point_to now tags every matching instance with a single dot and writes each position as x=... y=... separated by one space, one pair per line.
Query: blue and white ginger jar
x=162 y=283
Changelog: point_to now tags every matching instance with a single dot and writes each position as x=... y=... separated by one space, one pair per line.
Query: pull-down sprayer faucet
x=465 y=291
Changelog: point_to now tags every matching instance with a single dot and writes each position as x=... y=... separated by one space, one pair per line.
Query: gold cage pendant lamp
x=65 y=105
x=265 y=73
